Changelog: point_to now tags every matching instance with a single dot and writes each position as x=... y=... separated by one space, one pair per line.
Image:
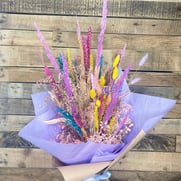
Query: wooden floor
x=147 y=26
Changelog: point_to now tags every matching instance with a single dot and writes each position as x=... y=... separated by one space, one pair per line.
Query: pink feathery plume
x=69 y=90
x=89 y=40
x=115 y=95
x=101 y=35
x=85 y=50
x=49 y=55
x=52 y=82
x=49 y=75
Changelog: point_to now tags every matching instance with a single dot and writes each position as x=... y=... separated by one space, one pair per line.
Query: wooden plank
x=25 y=158
x=124 y=8
x=168 y=92
x=45 y=174
x=30 y=174
x=17 y=122
x=13 y=37
x=175 y=112
x=12 y=140
x=167 y=126
x=9 y=106
x=20 y=90
x=24 y=90
x=10 y=123
x=145 y=176
x=136 y=161
x=178 y=143
x=15 y=74
x=150 y=161
x=113 y=25
x=164 y=143
x=135 y=42
x=13 y=122
x=157 y=60
x=69 y=39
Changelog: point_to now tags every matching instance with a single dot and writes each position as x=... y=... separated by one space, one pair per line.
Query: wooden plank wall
x=147 y=26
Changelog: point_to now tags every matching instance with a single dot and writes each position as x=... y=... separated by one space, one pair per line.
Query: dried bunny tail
x=86 y=54
x=135 y=80
x=89 y=40
x=55 y=121
x=143 y=60
x=123 y=51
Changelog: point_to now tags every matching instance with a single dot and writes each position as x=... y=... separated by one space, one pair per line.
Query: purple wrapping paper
x=147 y=111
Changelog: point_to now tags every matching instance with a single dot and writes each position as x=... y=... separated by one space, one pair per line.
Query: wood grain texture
x=147 y=26
x=145 y=176
x=113 y=25
x=167 y=126
x=178 y=143
x=9 y=106
x=21 y=90
x=24 y=90
x=156 y=143
x=12 y=140
x=150 y=161
x=124 y=8
x=157 y=161
x=44 y=174
x=68 y=39
x=15 y=74
x=13 y=122
x=112 y=41
x=25 y=56
x=17 y=122
x=164 y=143
x=25 y=158
x=30 y=174
x=13 y=37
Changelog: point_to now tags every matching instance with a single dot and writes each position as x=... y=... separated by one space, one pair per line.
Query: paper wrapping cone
x=82 y=171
